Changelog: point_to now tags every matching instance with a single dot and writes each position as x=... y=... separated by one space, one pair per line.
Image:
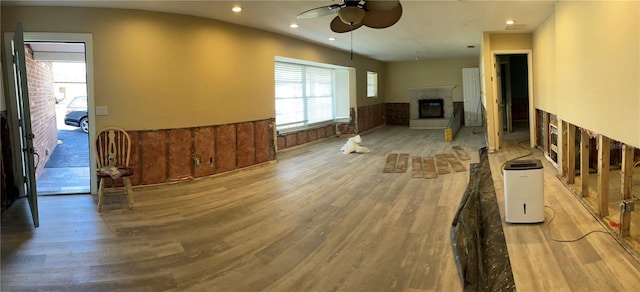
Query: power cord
x=522 y=156
x=550 y=237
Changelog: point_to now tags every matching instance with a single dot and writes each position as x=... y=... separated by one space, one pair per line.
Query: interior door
x=498 y=92
x=22 y=116
x=471 y=92
x=506 y=80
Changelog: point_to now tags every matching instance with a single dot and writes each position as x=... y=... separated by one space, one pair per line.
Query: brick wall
x=43 y=111
x=398 y=114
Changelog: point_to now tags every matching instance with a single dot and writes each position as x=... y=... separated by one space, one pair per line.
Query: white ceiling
x=428 y=29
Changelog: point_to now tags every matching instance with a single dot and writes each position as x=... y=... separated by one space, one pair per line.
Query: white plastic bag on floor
x=349 y=147
x=353 y=145
x=362 y=149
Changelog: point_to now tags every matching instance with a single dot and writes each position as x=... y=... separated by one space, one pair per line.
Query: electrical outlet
x=627 y=206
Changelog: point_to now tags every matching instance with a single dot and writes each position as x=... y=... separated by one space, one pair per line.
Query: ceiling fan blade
x=338 y=26
x=382 y=19
x=319 y=11
x=381 y=5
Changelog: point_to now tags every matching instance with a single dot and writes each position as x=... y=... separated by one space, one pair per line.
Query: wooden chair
x=113 y=147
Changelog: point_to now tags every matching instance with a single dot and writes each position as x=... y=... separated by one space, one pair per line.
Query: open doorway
x=514 y=91
x=21 y=136
x=58 y=93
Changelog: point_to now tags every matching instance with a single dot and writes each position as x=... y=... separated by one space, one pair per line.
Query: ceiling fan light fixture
x=351 y=15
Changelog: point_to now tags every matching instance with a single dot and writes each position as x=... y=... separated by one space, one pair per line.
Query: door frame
x=495 y=118
x=85 y=38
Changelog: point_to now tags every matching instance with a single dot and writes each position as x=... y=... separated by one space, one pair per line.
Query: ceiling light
x=332 y=39
x=510 y=22
x=293 y=25
x=236 y=9
x=351 y=15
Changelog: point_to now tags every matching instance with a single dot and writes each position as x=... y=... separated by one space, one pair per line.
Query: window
x=372 y=84
x=307 y=95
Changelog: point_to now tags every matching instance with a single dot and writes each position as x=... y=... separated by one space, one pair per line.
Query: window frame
x=339 y=95
x=372 y=87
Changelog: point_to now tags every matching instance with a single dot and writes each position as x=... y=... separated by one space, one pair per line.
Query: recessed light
x=510 y=22
x=293 y=25
x=332 y=39
x=236 y=9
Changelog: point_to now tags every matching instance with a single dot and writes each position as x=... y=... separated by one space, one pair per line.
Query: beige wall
x=544 y=62
x=510 y=41
x=162 y=71
x=597 y=47
x=435 y=72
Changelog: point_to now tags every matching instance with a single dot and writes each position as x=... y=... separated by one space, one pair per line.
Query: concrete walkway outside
x=67 y=171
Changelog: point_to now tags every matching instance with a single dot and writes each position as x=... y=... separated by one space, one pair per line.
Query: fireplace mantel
x=432 y=92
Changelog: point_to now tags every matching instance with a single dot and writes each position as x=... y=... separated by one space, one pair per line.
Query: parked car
x=76 y=113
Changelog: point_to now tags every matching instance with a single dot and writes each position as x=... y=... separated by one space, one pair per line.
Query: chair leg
x=100 y=194
x=127 y=183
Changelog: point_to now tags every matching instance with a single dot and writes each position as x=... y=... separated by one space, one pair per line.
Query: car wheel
x=84 y=125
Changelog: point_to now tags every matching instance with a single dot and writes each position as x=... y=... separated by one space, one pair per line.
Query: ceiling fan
x=353 y=14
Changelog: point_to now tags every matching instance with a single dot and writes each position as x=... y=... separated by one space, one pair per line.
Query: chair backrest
x=112 y=147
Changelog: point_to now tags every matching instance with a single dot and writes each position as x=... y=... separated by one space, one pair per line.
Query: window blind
x=304 y=95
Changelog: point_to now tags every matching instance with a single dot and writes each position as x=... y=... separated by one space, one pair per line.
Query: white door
x=471 y=93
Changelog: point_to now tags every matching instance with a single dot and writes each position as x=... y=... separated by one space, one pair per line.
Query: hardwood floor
x=316 y=220
x=595 y=263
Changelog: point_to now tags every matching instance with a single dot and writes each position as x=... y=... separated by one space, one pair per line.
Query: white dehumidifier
x=524 y=191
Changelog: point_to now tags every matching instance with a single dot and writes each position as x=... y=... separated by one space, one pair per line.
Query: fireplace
x=431 y=108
